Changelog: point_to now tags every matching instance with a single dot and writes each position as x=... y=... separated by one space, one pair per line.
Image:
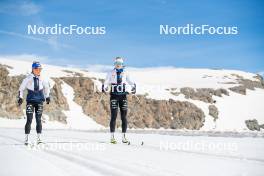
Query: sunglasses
x=118 y=63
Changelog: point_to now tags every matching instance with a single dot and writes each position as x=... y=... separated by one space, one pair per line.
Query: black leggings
x=121 y=102
x=38 y=107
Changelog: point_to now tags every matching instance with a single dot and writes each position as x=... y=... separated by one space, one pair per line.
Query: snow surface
x=155 y=82
x=82 y=153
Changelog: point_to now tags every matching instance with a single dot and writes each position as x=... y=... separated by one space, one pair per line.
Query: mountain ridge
x=185 y=99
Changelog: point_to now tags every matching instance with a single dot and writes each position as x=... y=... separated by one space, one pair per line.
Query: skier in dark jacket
x=38 y=91
x=118 y=81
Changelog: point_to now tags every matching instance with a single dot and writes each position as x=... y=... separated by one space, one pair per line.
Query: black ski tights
x=121 y=101
x=38 y=107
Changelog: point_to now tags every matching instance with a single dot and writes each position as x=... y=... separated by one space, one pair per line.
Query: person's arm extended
x=46 y=87
x=22 y=87
x=131 y=83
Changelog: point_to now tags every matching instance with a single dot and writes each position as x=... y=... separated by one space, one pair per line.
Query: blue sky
x=132 y=31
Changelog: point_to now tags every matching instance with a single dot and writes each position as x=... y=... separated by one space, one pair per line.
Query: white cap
x=119 y=61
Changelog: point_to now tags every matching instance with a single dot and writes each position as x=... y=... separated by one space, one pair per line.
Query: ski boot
x=39 y=141
x=124 y=139
x=26 y=139
x=112 y=140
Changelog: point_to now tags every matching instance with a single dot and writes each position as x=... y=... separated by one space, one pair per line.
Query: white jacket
x=28 y=83
x=111 y=78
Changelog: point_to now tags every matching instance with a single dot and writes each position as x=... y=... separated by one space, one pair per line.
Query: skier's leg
x=38 y=114
x=29 y=113
x=114 y=110
x=123 y=111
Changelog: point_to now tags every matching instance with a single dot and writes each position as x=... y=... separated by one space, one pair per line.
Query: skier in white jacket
x=118 y=82
x=38 y=91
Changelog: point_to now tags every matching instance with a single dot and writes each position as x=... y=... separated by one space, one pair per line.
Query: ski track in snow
x=98 y=166
x=121 y=159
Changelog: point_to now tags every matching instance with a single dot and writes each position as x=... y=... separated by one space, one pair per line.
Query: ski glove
x=20 y=101
x=48 y=100
x=134 y=89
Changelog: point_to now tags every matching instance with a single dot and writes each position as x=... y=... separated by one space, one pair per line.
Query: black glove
x=103 y=90
x=48 y=100
x=20 y=101
x=134 y=89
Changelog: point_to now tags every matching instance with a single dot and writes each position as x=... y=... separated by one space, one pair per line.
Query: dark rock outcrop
x=252 y=125
x=247 y=84
x=8 y=94
x=213 y=111
x=203 y=94
x=239 y=89
x=143 y=113
x=260 y=78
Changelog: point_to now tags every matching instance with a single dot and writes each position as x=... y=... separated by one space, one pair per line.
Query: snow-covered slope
x=76 y=119
x=155 y=83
